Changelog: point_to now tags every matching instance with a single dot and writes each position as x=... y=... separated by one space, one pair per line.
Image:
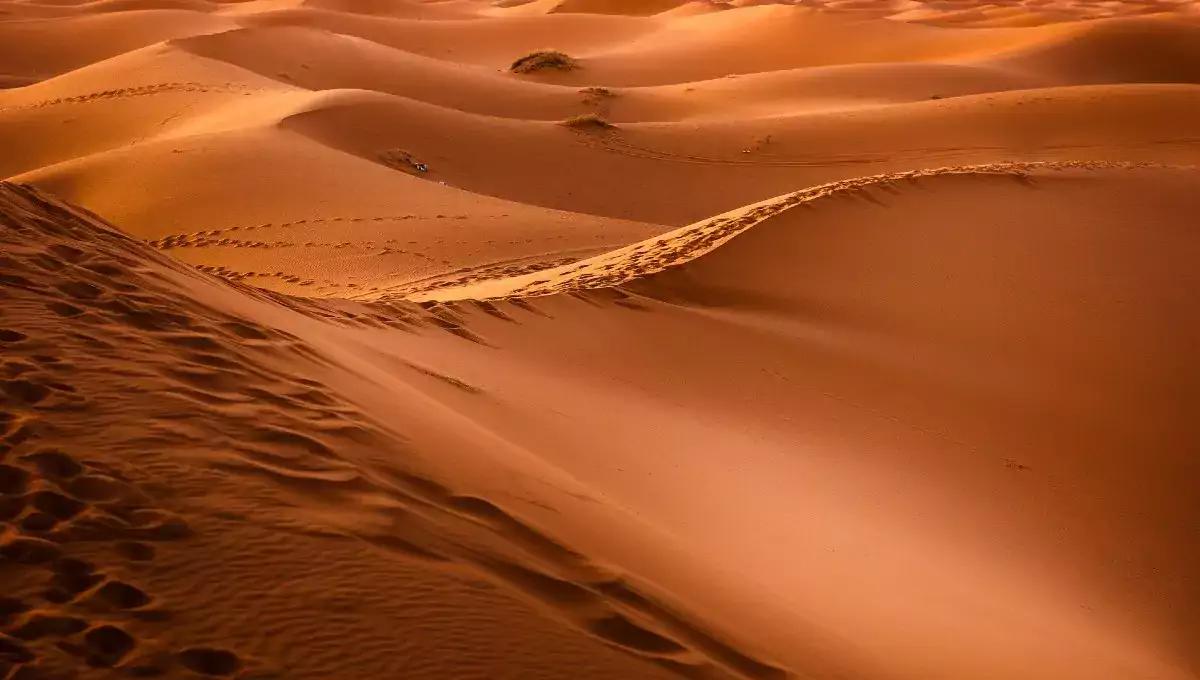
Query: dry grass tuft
x=542 y=60
x=587 y=121
x=598 y=92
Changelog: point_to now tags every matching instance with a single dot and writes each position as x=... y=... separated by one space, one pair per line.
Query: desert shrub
x=542 y=60
x=598 y=92
x=587 y=121
x=402 y=160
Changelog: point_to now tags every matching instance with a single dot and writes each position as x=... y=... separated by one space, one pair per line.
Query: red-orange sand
x=832 y=339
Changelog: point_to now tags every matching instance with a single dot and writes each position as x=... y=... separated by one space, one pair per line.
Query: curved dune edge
x=132 y=384
x=224 y=435
x=683 y=245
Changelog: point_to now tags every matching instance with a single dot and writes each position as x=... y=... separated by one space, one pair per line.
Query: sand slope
x=908 y=446
x=131 y=545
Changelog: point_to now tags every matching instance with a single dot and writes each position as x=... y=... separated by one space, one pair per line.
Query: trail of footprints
x=67 y=606
x=218 y=237
x=625 y=265
x=758 y=155
x=78 y=313
x=467 y=275
x=73 y=528
x=222 y=238
x=139 y=91
x=59 y=301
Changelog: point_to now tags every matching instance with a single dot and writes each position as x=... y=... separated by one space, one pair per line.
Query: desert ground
x=600 y=339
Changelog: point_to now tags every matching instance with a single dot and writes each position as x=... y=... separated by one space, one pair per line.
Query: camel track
x=610 y=142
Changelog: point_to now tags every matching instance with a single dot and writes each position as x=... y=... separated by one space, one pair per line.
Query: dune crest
x=678 y=247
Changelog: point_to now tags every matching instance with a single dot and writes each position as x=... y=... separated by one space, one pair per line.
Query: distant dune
x=819 y=339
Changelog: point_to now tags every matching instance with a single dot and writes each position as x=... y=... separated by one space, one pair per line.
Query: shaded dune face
x=749 y=340
x=876 y=337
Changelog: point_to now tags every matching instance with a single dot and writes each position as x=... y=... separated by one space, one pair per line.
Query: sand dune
x=36 y=49
x=757 y=340
x=118 y=546
x=336 y=451
x=1168 y=52
x=737 y=140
